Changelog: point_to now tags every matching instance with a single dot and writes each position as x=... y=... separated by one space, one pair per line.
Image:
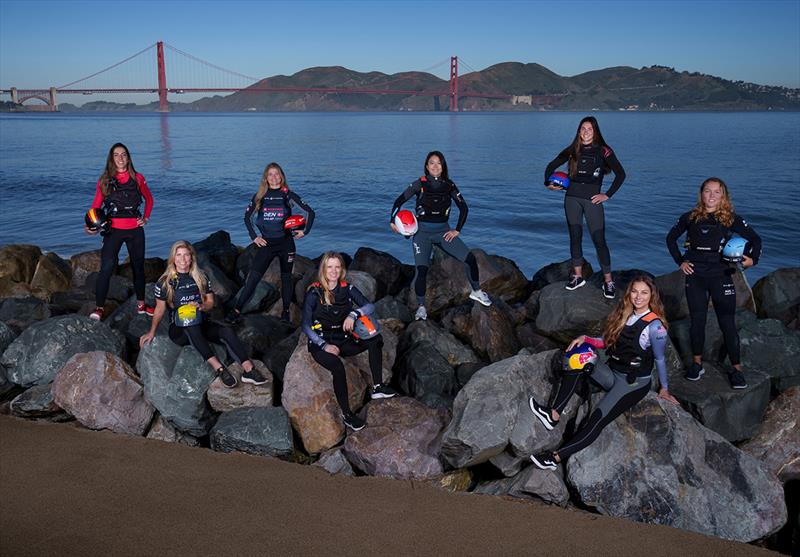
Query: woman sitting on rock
x=435 y=193
x=186 y=290
x=330 y=311
x=635 y=337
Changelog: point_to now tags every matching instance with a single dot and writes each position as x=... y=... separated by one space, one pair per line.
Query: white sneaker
x=481 y=297
x=422 y=314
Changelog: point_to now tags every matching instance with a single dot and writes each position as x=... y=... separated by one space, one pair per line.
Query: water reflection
x=166 y=146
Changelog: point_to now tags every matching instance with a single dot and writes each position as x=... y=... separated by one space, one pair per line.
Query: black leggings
x=200 y=335
x=112 y=243
x=284 y=250
x=723 y=295
x=575 y=209
x=334 y=364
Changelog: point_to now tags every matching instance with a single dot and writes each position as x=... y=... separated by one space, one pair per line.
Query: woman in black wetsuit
x=186 y=290
x=590 y=158
x=272 y=204
x=330 y=310
x=708 y=227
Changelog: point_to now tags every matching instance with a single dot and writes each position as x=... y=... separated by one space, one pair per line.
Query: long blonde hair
x=619 y=316
x=263 y=186
x=169 y=278
x=327 y=294
x=724 y=212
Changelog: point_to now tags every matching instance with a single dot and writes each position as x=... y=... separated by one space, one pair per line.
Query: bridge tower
x=454 y=84
x=53 y=104
x=162 y=78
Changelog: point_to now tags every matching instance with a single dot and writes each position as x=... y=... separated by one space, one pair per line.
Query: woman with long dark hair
x=635 y=337
x=330 y=311
x=590 y=158
x=186 y=291
x=435 y=193
x=119 y=192
x=272 y=204
x=708 y=227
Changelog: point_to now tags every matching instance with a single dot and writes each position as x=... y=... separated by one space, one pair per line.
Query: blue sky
x=751 y=41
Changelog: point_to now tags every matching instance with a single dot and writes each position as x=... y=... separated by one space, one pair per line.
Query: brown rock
x=244 y=395
x=13 y=289
x=489 y=330
x=52 y=274
x=778 y=441
x=456 y=480
x=18 y=261
x=84 y=264
x=163 y=431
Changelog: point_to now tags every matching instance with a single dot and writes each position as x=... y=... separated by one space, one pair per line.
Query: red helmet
x=406 y=222
x=294 y=222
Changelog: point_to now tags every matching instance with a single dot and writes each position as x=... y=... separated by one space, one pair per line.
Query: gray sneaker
x=481 y=297
x=422 y=314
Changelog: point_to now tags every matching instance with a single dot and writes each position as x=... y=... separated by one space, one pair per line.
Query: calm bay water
x=203 y=169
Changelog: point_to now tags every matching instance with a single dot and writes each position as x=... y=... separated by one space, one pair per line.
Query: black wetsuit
x=594 y=163
x=185 y=290
x=434 y=200
x=322 y=324
x=276 y=207
x=712 y=276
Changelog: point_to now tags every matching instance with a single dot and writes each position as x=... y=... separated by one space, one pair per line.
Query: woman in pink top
x=120 y=192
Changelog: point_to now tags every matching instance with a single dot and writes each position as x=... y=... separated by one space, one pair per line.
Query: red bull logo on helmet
x=577 y=361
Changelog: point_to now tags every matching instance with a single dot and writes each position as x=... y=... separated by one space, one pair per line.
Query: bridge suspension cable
x=111 y=67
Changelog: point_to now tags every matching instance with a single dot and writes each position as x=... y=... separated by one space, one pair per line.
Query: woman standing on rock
x=186 y=290
x=589 y=158
x=119 y=192
x=708 y=228
x=435 y=193
x=635 y=337
x=272 y=204
x=330 y=311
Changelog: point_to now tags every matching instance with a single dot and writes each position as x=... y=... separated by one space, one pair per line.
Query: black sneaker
x=382 y=391
x=233 y=317
x=226 y=377
x=609 y=290
x=352 y=421
x=543 y=413
x=253 y=377
x=285 y=316
x=575 y=282
x=737 y=379
x=545 y=461
x=694 y=372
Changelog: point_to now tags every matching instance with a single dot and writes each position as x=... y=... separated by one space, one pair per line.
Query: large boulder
x=672 y=290
x=425 y=374
x=83 y=264
x=103 y=392
x=401 y=440
x=20 y=312
x=564 y=314
x=766 y=344
x=391 y=307
x=223 y=287
x=18 y=262
x=74 y=300
x=262 y=298
x=37 y=403
x=52 y=274
x=557 y=272
x=219 y=248
x=162 y=430
x=119 y=288
x=530 y=338
x=280 y=353
x=12 y=289
x=7 y=336
x=36 y=356
x=777 y=443
x=489 y=330
x=777 y=295
x=658 y=465
x=261 y=332
x=246 y=395
x=529 y=483
x=443 y=341
x=154 y=267
x=258 y=431
x=365 y=283
x=175 y=382
x=735 y=414
x=491 y=414
x=389 y=273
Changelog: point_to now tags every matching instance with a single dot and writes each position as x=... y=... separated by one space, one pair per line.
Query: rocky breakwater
x=719 y=463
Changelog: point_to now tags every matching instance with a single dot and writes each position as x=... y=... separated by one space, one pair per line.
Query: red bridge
x=212 y=73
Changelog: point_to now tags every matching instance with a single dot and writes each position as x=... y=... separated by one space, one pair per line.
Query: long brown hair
x=111 y=169
x=170 y=275
x=575 y=146
x=619 y=316
x=327 y=294
x=724 y=212
x=263 y=186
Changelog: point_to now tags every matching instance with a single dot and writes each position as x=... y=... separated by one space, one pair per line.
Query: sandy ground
x=70 y=491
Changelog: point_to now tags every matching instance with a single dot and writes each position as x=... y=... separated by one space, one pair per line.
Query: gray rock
x=777 y=443
x=530 y=483
x=672 y=290
x=391 y=307
x=263 y=297
x=103 y=392
x=119 y=288
x=488 y=330
x=162 y=430
x=453 y=351
x=658 y=465
x=219 y=248
x=766 y=344
x=83 y=264
x=557 y=272
x=223 y=287
x=7 y=336
x=563 y=315
x=154 y=267
x=364 y=282
x=73 y=300
x=175 y=382
x=261 y=332
x=734 y=414
x=401 y=440
x=777 y=295
x=390 y=275
x=37 y=402
x=529 y=338
x=19 y=313
x=464 y=372
x=36 y=356
x=258 y=431
x=278 y=356
x=423 y=372
x=334 y=462
x=244 y=395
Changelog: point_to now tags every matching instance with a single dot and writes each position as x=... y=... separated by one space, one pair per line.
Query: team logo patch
x=577 y=361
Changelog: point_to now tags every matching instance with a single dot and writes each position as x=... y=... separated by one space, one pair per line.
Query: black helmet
x=96 y=219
